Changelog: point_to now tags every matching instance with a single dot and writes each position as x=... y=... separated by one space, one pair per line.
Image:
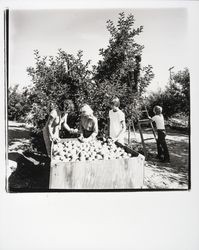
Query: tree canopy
x=118 y=73
x=176 y=97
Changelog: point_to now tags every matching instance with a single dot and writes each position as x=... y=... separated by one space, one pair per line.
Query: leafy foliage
x=18 y=103
x=175 y=98
x=57 y=79
x=119 y=72
x=179 y=88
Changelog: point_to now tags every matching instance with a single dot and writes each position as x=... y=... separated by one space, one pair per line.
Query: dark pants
x=162 y=145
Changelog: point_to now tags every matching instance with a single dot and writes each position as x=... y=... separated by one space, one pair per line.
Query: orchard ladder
x=131 y=123
x=151 y=128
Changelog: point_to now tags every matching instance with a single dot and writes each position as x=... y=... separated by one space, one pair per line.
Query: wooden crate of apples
x=74 y=150
x=95 y=165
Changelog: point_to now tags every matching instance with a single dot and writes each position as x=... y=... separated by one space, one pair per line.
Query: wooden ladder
x=129 y=124
x=151 y=128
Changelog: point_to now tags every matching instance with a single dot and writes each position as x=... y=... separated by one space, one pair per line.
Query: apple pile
x=71 y=151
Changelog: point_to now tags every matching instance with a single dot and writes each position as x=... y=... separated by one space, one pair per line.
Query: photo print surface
x=97 y=100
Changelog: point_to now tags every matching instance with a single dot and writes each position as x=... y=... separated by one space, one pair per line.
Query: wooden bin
x=99 y=174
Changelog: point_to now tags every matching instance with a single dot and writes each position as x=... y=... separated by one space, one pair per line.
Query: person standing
x=117 y=125
x=163 y=153
x=57 y=117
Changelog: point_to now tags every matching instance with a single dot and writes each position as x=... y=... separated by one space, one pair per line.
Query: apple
x=93 y=150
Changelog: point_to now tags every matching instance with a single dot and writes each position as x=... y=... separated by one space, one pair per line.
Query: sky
x=165 y=37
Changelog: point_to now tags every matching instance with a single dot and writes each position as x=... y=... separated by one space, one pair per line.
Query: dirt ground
x=173 y=175
x=28 y=166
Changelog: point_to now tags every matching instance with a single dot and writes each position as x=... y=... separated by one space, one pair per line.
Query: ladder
x=129 y=124
x=151 y=128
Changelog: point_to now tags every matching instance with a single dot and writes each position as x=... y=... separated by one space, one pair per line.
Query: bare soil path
x=173 y=175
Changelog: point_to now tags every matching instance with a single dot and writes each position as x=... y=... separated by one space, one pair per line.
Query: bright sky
x=164 y=37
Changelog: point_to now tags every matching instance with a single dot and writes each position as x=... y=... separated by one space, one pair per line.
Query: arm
x=123 y=129
x=109 y=124
x=123 y=125
x=95 y=129
x=66 y=126
x=152 y=119
x=81 y=130
x=108 y=129
x=50 y=129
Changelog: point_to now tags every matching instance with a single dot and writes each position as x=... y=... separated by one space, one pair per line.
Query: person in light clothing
x=163 y=153
x=57 y=117
x=117 y=125
x=88 y=124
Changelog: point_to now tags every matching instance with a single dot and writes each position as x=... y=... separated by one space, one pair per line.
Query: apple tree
x=119 y=72
x=56 y=79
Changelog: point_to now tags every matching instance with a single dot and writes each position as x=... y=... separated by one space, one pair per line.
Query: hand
x=114 y=139
x=55 y=139
x=73 y=131
x=85 y=139
x=81 y=138
x=111 y=139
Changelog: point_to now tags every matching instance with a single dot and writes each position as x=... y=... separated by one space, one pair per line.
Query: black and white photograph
x=99 y=125
x=97 y=100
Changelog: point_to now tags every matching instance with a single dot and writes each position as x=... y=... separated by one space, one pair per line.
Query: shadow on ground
x=23 y=138
x=29 y=176
x=28 y=153
x=18 y=134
